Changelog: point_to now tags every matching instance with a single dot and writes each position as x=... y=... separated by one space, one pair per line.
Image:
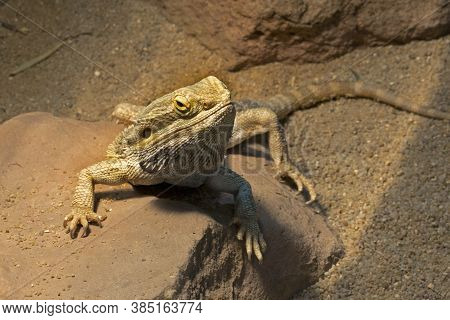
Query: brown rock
x=175 y=244
x=248 y=33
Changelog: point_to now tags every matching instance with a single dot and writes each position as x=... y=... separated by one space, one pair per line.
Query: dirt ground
x=382 y=175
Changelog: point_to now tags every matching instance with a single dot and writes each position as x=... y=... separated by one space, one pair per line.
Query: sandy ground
x=382 y=175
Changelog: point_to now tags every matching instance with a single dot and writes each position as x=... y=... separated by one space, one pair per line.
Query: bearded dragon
x=182 y=137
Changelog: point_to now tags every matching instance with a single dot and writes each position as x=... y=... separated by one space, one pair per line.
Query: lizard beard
x=195 y=150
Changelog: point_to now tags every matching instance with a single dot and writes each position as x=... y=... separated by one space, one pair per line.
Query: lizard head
x=183 y=132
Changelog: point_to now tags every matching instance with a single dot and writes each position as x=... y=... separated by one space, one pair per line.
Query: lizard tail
x=310 y=95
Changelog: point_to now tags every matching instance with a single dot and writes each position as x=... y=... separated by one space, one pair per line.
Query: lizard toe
x=73 y=225
x=254 y=240
x=248 y=245
x=94 y=218
x=262 y=243
x=257 y=249
x=85 y=226
x=240 y=233
x=301 y=182
x=67 y=219
x=81 y=217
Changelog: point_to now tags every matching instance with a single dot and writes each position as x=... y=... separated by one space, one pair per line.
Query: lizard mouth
x=216 y=114
x=223 y=104
x=219 y=111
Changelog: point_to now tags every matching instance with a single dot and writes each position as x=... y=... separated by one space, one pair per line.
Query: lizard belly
x=192 y=181
x=137 y=176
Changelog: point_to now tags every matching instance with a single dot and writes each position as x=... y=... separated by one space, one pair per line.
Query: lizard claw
x=290 y=171
x=254 y=240
x=81 y=216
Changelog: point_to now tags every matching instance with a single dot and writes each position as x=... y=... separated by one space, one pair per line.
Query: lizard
x=181 y=138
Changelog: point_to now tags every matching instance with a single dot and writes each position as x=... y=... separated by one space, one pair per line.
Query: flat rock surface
x=157 y=241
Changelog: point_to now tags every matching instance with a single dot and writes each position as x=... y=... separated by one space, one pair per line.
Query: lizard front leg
x=228 y=181
x=253 y=121
x=110 y=172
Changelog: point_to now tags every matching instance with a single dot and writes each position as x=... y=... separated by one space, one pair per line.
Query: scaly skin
x=181 y=138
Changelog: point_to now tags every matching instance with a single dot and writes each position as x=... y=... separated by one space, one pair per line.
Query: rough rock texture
x=249 y=33
x=151 y=246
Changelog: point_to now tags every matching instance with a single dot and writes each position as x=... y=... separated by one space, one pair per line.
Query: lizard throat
x=222 y=114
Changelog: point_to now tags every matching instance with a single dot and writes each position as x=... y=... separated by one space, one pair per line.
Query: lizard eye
x=147 y=132
x=182 y=105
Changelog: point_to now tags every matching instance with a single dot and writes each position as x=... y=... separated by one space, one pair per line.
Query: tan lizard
x=182 y=137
